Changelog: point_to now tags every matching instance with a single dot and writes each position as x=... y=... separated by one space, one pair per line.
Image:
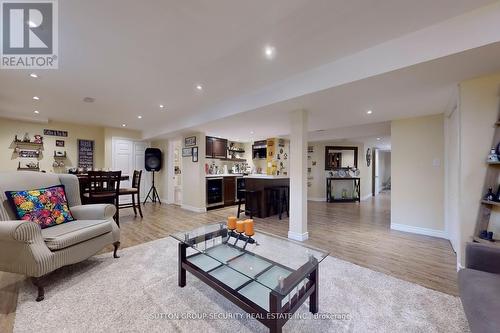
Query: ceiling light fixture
x=124 y=125
x=36 y=112
x=162 y=106
x=199 y=87
x=251 y=132
x=369 y=112
x=34 y=75
x=139 y=117
x=378 y=139
x=269 y=52
x=36 y=98
x=89 y=99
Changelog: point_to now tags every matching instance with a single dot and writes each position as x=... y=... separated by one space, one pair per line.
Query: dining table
x=83 y=179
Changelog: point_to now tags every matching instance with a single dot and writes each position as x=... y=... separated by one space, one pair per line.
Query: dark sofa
x=479 y=285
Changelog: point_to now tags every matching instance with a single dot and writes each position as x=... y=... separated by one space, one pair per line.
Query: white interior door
x=127 y=156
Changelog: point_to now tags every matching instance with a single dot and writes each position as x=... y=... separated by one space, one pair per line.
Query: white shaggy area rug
x=139 y=293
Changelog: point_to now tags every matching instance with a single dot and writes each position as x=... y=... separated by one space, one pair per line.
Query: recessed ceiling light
x=162 y=106
x=36 y=112
x=89 y=99
x=199 y=87
x=124 y=125
x=139 y=117
x=251 y=132
x=269 y=52
x=34 y=75
x=378 y=139
x=369 y=112
x=36 y=98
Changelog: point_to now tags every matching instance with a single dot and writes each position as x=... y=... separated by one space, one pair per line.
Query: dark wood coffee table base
x=278 y=314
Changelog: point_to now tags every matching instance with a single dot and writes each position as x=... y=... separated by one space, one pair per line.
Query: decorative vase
x=490 y=196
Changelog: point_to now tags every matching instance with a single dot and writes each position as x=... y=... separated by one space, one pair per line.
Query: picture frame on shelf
x=29 y=153
x=190 y=141
x=59 y=143
x=187 y=152
x=195 y=154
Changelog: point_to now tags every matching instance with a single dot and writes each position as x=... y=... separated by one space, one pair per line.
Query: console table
x=356 y=189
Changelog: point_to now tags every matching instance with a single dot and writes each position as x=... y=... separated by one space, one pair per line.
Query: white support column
x=298 y=176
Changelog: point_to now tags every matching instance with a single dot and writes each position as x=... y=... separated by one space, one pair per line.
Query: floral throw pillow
x=46 y=207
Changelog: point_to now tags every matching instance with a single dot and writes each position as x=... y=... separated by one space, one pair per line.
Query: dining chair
x=104 y=187
x=133 y=191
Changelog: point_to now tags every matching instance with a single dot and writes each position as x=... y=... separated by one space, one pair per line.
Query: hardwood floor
x=356 y=232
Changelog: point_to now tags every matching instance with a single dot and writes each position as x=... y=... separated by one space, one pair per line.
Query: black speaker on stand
x=152 y=163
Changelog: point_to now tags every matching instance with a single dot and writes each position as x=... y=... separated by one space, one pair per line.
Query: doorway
x=381 y=171
x=174 y=164
x=127 y=155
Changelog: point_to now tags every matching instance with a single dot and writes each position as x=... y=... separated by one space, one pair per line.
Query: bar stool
x=272 y=199
x=277 y=200
x=251 y=201
x=284 y=200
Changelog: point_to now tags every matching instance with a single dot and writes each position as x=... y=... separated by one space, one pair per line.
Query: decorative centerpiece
x=240 y=230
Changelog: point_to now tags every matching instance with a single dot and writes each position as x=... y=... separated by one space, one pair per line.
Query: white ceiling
x=132 y=56
x=422 y=89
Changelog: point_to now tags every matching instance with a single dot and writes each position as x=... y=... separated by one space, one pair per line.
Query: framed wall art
x=51 y=132
x=186 y=152
x=195 y=154
x=190 y=141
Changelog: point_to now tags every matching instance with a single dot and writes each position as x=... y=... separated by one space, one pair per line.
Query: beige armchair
x=27 y=249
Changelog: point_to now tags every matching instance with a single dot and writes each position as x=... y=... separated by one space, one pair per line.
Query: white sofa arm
x=21 y=231
x=93 y=212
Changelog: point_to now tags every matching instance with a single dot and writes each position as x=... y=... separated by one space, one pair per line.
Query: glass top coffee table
x=265 y=275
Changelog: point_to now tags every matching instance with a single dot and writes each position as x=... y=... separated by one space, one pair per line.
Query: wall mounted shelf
x=27 y=145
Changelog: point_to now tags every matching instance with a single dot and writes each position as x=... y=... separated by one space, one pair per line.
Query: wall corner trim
x=194 y=209
x=298 y=236
x=419 y=230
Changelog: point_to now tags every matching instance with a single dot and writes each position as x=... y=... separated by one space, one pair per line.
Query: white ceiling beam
x=471 y=30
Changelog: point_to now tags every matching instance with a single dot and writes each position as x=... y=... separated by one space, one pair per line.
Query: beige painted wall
x=417 y=198
x=102 y=137
x=317 y=190
x=193 y=177
x=162 y=175
x=479 y=110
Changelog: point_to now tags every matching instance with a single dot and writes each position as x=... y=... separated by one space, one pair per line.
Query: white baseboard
x=316 y=199
x=419 y=230
x=366 y=197
x=298 y=236
x=194 y=209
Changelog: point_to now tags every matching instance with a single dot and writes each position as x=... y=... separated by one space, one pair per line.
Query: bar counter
x=259 y=183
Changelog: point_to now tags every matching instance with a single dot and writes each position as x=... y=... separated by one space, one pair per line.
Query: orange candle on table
x=231 y=222
x=249 y=227
x=240 y=226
